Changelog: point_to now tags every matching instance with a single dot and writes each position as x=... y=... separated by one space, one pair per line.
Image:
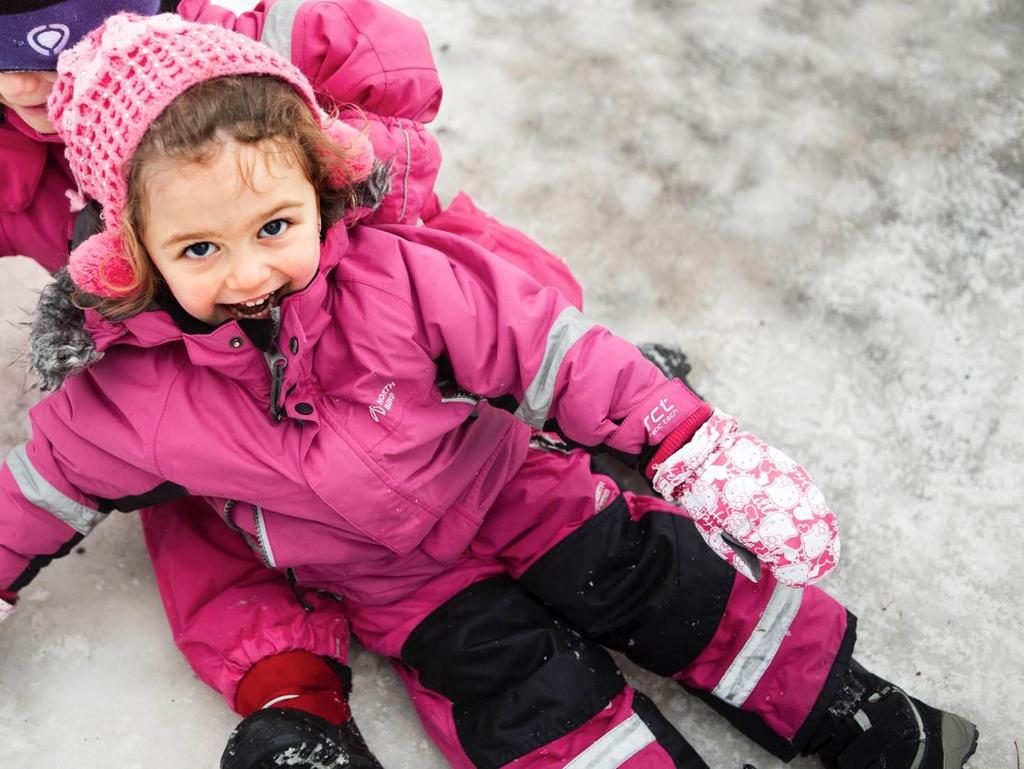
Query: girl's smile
x=234 y=235
x=253 y=308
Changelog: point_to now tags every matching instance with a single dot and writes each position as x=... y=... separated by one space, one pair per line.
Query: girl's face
x=233 y=236
x=25 y=93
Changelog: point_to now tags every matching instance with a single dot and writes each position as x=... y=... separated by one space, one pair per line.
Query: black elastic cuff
x=42 y=561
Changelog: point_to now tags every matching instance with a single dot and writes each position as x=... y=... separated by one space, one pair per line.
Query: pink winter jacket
x=340 y=456
x=364 y=58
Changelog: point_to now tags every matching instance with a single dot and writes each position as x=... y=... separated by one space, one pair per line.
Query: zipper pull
x=295 y=589
x=277 y=363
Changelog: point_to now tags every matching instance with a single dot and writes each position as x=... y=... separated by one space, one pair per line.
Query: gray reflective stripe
x=262 y=538
x=616 y=747
x=567 y=329
x=37 y=490
x=921 y=735
x=405 y=181
x=760 y=649
x=277 y=28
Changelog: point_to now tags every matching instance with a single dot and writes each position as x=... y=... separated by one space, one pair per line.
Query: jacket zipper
x=261 y=533
x=277 y=363
x=229 y=517
x=262 y=541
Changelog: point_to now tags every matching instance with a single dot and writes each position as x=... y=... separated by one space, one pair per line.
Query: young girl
x=285 y=652
x=390 y=413
x=282 y=644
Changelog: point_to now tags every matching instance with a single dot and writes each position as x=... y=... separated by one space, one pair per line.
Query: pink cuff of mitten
x=678 y=438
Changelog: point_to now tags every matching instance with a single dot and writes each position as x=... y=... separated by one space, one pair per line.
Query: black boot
x=276 y=737
x=671 y=361
x=873 y=724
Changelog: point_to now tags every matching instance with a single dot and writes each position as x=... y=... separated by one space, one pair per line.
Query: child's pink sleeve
x=44 y=511
x=31 y=535
x=357 y=52
x=512 y=340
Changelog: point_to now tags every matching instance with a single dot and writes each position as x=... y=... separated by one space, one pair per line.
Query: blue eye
x=274 y=228
x=200 y=250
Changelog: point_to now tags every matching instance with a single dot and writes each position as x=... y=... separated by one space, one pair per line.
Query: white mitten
x=744 y=495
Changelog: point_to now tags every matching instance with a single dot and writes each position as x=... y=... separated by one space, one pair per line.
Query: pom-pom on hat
x=111 y=87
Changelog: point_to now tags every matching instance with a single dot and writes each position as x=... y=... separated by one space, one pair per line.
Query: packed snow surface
x=820 y=202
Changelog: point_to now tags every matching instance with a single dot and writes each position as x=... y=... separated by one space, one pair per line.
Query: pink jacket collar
x=23 y=154
x=14 y=119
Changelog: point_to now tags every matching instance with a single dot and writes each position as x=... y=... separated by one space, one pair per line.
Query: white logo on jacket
x=659 y=416
x=385 y=400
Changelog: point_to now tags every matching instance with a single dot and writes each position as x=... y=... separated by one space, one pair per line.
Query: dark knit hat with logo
x=34 y=32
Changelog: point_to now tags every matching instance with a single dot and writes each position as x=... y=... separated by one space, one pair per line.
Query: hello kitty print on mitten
x=736 y=487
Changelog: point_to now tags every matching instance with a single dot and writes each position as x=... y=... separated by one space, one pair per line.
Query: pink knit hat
x=114 y=83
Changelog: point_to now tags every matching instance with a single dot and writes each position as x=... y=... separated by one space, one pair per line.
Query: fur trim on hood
x=59 y=344
x=369 y=194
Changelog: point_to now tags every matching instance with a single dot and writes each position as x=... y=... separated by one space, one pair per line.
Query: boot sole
x=959 y=736
x=959 y=741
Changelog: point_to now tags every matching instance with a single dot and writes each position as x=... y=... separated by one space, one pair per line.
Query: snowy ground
x=821 y=202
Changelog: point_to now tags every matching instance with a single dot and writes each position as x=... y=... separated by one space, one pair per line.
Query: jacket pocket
x=347 y=479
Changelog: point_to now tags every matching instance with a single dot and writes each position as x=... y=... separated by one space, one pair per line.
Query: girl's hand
x=736 y=487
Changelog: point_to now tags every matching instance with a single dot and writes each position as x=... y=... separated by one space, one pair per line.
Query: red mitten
x=734 y=486
x=299 y=680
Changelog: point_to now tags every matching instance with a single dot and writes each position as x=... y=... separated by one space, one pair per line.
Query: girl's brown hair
x=248 y=109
